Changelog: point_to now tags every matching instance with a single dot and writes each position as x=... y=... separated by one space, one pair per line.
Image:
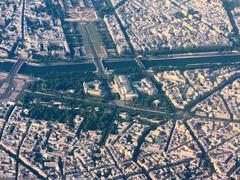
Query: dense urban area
x=121 y=89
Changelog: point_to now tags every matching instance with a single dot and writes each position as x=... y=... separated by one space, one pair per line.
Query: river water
x=35 y=70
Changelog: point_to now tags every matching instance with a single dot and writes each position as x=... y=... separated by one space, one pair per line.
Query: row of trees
x=41 y=108
x=61 y=82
